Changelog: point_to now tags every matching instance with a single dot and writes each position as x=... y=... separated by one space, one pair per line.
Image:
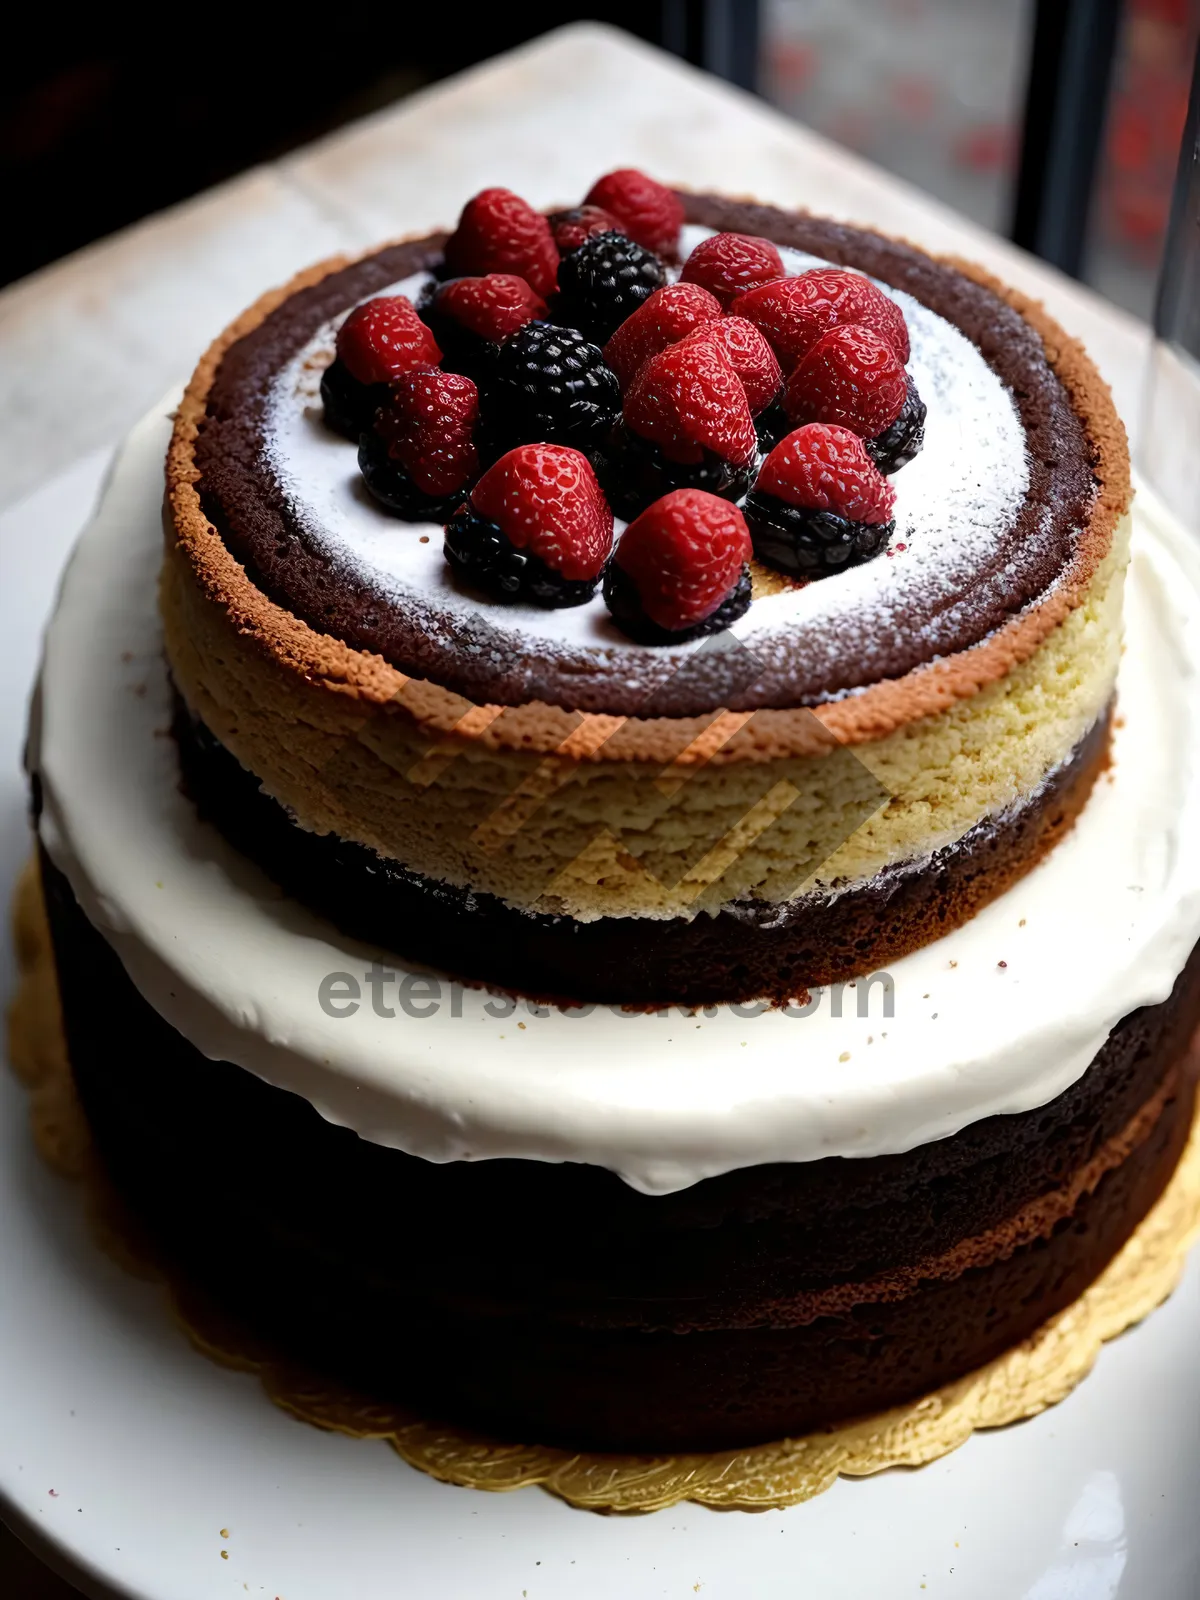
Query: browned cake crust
x=553 y=1303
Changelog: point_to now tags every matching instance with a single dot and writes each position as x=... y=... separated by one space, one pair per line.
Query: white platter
x=151 y=1451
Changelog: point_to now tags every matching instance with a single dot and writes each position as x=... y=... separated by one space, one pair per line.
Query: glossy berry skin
x=421 y=456
x=571 y=228
x=551 y=384
x=750 y=356
x=897 y=445
x=471 y=318
x=536 y=528
x=604 y=281
x=851 y=378
x=680 y=570
x=689 y=399
x=731 y=264
x=668 y=316
x=648 y=212
x=379 y=341
x=500 y=232
x=794 y=313
x=819 y=504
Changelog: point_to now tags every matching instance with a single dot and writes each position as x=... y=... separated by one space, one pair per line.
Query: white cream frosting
x=953 y=504
x=999 y=1016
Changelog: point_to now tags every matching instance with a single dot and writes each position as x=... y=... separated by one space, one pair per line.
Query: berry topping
x=606 y=280
x=421 y=456
x=668 y=316
x=571 y=228
x=820 y=504
x=730 y=264
x=536 y=528
x=851 y=377
x=550 y=383
x=384 y=338
x=751 y=356
x=500 y=232
x=688 y=399
x=491 y=307
x=896 y=446
x=680 y=569
x=648 y=212
x=795 y=312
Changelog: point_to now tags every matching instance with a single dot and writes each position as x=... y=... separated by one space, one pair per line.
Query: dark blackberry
x=635 y=473
x=462 y=350
x=605 y=281
x=810 y=544
x=393 y=488
x=896 y=446
x=622 y=599
x=549 y=385
x=483 y=556
x=350 y=406
x=772 y=425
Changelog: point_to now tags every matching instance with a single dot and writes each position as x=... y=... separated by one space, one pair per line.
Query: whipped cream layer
x=1000 y=1016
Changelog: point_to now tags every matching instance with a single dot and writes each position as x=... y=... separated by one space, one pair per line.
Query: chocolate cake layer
x=552 y=1302
x=266 y=531
x=748 y=949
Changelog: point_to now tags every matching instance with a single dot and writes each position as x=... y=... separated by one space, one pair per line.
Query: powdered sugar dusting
x=955 y=503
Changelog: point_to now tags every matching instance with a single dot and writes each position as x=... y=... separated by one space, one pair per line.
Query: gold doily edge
x=1017 y=1385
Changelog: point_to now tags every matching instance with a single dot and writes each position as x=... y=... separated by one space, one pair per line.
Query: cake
x=491 y=988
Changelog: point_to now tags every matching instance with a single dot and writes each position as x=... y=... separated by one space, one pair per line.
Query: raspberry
x=649 y=213
x=680 y=570
x=794 y=312
x=605 y=281
x=730 y=264
x=384 y=338
x=820 y=504
x=852 y=378
x=689 y=399
x=500 y=232
x=668 y=316
x=551 y=384
x=380 y=340
x=421 y=456
x=536 y=528
x=491 y=307
x=751 y=356
x=571 y=228
x=896 y=446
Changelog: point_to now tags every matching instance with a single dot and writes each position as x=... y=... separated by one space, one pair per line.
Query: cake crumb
x=845 y=1056
x=1021 y=924
x=224 y=1533
x=954 y=963
x=224 y=1555
x=520 y=1025
x=424 y=538
x=1002 y=963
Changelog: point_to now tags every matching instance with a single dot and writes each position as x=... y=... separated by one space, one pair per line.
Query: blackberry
x=549 y=385
x=350 y=406
x=604 y=281
x=810 y=544
x=622 y=599
x=772 y=425
x=896 y=446
x=462 y=350
x=482 y=555
x=391 y=485
x=635 y=473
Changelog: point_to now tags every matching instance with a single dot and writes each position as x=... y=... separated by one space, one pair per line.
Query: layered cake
x=552 y=935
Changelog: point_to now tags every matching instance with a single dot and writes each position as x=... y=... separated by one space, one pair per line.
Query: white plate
x=123 y=1454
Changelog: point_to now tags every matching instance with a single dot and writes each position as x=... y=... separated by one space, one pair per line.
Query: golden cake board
x=1036 y=1374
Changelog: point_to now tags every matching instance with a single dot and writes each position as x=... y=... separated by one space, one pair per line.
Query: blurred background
x=1056 y=122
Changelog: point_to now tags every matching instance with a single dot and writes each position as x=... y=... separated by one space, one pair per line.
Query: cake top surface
x=998 y=520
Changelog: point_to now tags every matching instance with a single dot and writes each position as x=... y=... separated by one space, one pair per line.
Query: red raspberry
x=668 y=316
x=649 y=213
x=827 y=469
x=571 y=228
x=688 y=399
x=493 y=306
x=428 y=424
x=684 y=555
x=852 y=378
x=500 y=232
x=752 y=357
x=384 y=338
x=730 y=264
x=545 y=498
x=795 y=312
